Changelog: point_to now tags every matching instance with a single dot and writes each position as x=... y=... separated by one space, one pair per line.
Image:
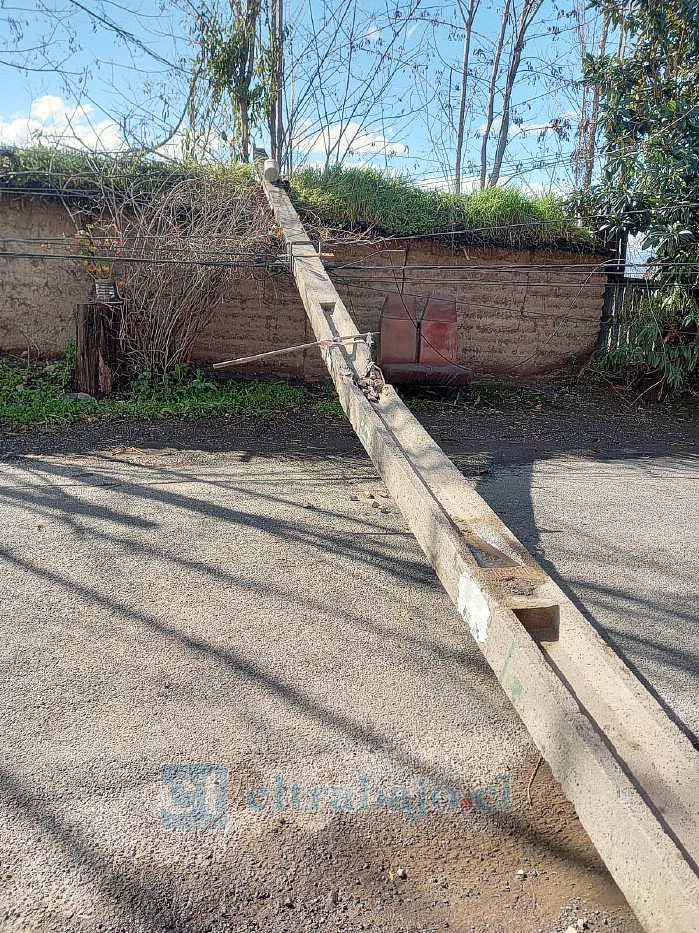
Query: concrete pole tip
x=271 y=171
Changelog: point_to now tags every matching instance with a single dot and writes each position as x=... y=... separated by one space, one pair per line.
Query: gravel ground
x=227 y=599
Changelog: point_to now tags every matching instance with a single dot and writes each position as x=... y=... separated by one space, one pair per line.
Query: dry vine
x=194 y=236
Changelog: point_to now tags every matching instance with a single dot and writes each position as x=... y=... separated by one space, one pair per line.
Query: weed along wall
x=513 y=322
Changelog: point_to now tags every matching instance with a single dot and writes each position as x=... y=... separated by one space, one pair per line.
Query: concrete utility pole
x=629 y=771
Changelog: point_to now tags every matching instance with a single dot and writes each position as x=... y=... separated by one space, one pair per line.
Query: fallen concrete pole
x=630 y=772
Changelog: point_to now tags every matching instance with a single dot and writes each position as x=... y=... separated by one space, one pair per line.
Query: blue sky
x=121 y=81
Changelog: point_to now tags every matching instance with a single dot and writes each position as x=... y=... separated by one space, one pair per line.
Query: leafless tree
x=468 y=16
x=346 y=62
x=339 y=80
x=518 y=24
x=492 y=88
x=177 y=249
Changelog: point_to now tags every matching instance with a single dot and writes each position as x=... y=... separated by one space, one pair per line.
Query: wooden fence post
x=96 y=348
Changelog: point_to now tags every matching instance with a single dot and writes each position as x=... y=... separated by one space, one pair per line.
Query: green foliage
x=650 y=185
x=189 y=393
x=326 y=402
x=230 y=70
x=50 y=169
x=364 y=199
x=657 y=337
x=650 y=112
x=34 y=395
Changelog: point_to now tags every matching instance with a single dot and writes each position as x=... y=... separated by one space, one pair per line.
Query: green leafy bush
x=658 y=340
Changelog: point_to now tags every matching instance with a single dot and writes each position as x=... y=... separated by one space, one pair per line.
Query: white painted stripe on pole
x=473 y=608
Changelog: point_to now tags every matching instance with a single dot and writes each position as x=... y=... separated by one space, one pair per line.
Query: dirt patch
x=517 y=424
x=524 y=871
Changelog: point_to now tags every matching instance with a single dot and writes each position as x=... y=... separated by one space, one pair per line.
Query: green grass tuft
x=364 y=199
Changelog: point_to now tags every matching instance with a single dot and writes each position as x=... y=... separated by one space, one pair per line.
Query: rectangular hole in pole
x=490 y=557
x=327 y=307
x=542 y=622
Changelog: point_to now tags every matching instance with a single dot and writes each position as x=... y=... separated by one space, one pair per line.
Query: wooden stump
x=96 y=348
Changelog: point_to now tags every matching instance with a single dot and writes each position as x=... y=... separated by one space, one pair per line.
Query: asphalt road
x=214 y=628
x=622 y=539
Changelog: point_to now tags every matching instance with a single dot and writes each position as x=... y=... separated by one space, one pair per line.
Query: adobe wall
x=516 y=324
x=37 y=297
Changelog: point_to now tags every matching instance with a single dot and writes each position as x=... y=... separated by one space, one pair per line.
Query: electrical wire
x=389 y=273
x=579 y=268
x=252 y=264
x=488 y=307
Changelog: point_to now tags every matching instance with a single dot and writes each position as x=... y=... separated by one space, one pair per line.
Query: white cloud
x=43 y=108
x=469 y=183
x=53 y=121
x=493 y=129
x=373 y=34
x=350 y=139
x=522 y=129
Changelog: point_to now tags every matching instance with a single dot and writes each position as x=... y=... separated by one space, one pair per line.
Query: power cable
x=252 y=264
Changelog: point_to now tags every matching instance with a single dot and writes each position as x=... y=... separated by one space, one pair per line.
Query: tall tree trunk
x=589 y=155
x=244 y=131
x=529 y=10
x=492 y=90
x=272 y=111
x=279 y=102
x=467 y=18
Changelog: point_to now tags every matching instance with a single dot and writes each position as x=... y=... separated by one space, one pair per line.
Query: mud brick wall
x=512 y=323
x=262 y=313
x=37 y=297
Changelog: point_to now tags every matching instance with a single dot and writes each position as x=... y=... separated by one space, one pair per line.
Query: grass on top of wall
x=363 y=199
x=59 y=172
x=340 y=198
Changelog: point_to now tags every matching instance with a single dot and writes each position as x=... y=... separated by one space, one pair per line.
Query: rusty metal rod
x=302 y=346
